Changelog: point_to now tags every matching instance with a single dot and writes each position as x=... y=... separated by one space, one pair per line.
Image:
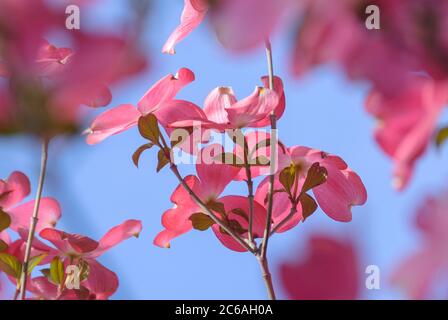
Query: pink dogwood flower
x=329 y=271
x=46 y=85
x=211 y=180
x=13 y=191
x=239 y=25
x=342 y=190
x=73 y=249
x=223 y=111
x=407 y=123
x=424 y=268
x=159 y=100
x=192 y=15
x=336 y=33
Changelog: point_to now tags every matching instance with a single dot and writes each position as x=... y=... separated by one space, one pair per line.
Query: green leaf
x=34 y=261
x=84 y=270
x=10 y=265
x=162 y=159
x=240 y=212
x=287 y=177
x=316 y=176
x=149 y=128
x=57 y=271
x=201 y=221
x=137 y=154
x=5 y=220
x=235 y=226
x=3 y=245
x=47 y=274
x=441 y=136
x=4 y=195
x=217 y=206
x=309 y=205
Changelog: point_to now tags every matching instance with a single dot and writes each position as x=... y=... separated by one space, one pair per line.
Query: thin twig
x=250 y=190
x=210 y=213
x=291 y=214
x=202 y=205
x=267 y=276
x=267 y=231
x=273 y=119
x=34 y=218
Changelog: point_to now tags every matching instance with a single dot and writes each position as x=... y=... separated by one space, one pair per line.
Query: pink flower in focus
x=407 y=122
x=342 y=190
x=211 y=180
x=329 y=271
x=223 y=110
x=13 y=191
x=74 y=249
x=427 y=266
x=157 y=100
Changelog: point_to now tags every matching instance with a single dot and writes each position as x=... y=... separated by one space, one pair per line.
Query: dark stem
x=201 y=204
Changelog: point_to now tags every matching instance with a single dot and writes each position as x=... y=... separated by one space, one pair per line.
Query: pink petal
x=43 y=289
x=69 y=243
x=239 y=28
x=14 y=189
x=329 y=271
x=249 y=111
x=281 y=206
x=192 y=15
x=101 y=282
x=5 y=237
x=179 y=113
x=51 y=60
x=239 y=202
x=176 y=222
x=407 y=122
x=216 y=103
x=129 y=228
x=256 y=139
x=214 y=176
x=49 y=214
x=417 y=273
x=280 y=108
x=112 y=122
x=164 y=237
x=99 y=61
x=178 y=110
x=101 y=99
x=164 y=90
x=181 y=196
x=3 y=70
x=342 y=190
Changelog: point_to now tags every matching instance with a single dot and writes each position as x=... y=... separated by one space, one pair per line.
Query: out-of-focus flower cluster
x=405 y=60
x=422 y=275
x=42 y=86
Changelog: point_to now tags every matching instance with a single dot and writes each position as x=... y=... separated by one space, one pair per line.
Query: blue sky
x=99 y=187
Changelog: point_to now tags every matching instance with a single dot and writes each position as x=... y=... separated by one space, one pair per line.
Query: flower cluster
x=90 y=279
